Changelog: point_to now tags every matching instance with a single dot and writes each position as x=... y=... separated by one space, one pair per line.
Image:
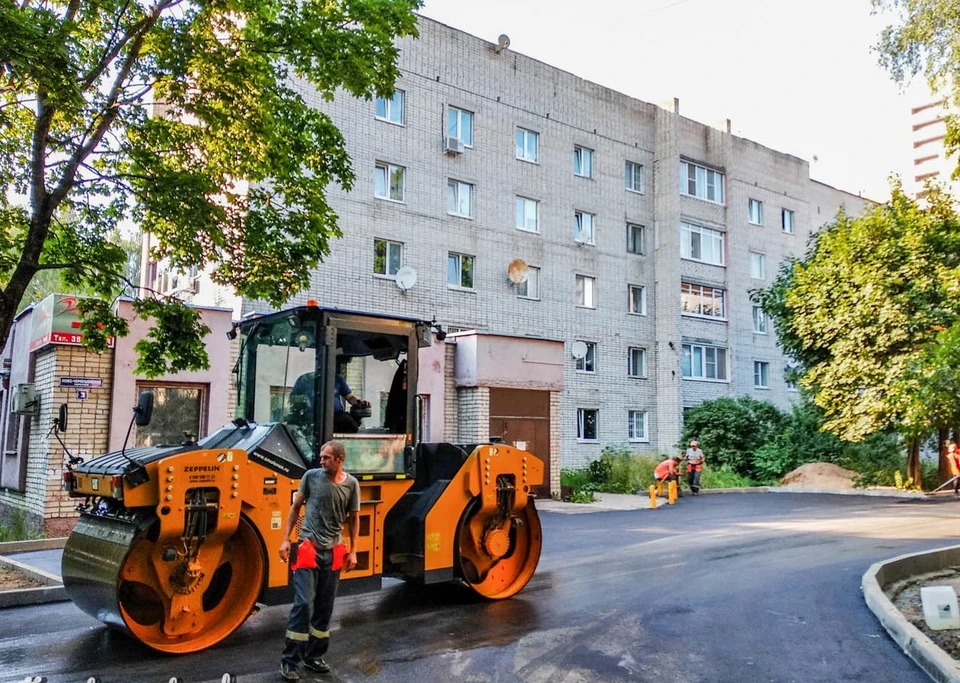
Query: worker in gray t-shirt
x=695 y=460
x=331 y=497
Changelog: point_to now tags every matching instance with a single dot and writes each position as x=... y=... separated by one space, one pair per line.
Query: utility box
x=940 y=607
x=25 y=400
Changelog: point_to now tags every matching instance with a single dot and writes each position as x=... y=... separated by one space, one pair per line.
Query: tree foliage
x=861 y=313
x=230 y=171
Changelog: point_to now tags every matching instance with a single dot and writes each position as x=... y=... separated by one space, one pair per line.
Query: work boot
x=318 y=665
x=288 y=672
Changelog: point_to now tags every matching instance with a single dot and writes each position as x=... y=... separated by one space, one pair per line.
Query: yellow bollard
x=660 y=488
x=671 y=493
x=653 y=497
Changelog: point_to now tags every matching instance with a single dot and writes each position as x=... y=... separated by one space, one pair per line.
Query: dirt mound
x=820 y=475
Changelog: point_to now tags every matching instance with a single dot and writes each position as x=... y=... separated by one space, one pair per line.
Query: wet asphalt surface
x=758 y=587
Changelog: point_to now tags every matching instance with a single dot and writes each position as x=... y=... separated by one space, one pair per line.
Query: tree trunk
x=913 y=462
x=944 y=473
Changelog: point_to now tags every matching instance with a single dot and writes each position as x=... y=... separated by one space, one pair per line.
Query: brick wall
x=473 y=414
x=451 y=414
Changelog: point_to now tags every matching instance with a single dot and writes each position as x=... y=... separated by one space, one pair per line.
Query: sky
x=800 y=77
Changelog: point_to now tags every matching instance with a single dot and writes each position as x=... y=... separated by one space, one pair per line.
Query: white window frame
x=388 y=170
x=638 y=421
x=698 y=238
x=702 y=373
x=588 y=364
x=473 y=271
x=582 y=425
x=633 y=176
x=455 y=118
x=389 y=245
x=632 y=366
x=521 y=206
x=389 y=106
x=761 y=374
x=759 y=320
x=458 y=187
x=533 y=278
x=705 y=181
x=522 y=138
x=755 y=211
x=630 y=299
x=758 y=266
x=706 y=298
x=582 y=219
x=586 y=291
x=582 y=157
x=787 y=221
x=636 y=227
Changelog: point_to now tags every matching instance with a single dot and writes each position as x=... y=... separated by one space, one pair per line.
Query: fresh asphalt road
x=737 y=588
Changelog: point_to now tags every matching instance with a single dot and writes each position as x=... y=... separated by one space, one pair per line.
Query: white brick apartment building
x=643 y=231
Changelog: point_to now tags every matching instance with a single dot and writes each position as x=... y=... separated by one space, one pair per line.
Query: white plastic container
x=940 y=607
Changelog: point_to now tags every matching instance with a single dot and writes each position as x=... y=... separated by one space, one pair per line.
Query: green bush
x=724 y=478
x=14 y=527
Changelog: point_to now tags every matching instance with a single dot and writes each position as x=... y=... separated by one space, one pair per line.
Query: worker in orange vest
x=667 y=471
x=953 y=457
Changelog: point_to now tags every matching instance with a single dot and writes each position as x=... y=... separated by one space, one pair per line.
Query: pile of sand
x=820 y=475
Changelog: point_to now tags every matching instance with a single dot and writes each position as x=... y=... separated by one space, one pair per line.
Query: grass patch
x=14 y=527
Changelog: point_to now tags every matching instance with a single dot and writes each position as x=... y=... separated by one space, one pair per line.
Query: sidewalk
x=39 y=560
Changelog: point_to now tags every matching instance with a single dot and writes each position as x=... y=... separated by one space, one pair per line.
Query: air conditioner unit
x=24 y=400
x=453 y=146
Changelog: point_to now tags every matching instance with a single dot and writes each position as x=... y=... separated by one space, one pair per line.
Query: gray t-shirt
x=694 y=456
x=327 y=507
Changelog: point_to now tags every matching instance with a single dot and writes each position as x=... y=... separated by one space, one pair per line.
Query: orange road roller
x=177 y=543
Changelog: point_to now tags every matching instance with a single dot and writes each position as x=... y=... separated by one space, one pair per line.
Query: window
x=177 y=408
x=460 y=125
x=388 y=181
x=637 y=425
x=387 y=257
x=587 y=424
x=701 y=244
x=704 y=362
x=636 y=362
x=391 y=109
x=790 y=377
x=703 y=183
x=531 y=288
x=589 y=362
x=459 y=198
x=528 y=214
x=759 y=320
x=787 y=221
x=633 y=176
x=527 y=146
x=755 y=211
x=637 y=299
x=758 y=266
x=586 y=291
x=460 y=270
x=701 y=300
x=583 y=227
x=635 y=239
x=761 y=371
x=583 y=162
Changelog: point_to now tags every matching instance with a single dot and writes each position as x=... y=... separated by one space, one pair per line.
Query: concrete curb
x=52 y=591
x=934 y=661
x=13 y=547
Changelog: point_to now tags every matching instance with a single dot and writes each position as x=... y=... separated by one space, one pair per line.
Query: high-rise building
x=638 y=234
x=928 y=112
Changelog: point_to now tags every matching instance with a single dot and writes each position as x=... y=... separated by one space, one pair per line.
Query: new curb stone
x=934 y=661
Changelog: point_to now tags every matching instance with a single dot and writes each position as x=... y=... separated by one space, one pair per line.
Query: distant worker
x=667 y=471
x=343 y=421
x=331 y=497
x=953 y=457
x=695 y=462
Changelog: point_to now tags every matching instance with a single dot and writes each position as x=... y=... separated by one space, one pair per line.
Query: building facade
x=928 y=130
x=528 y=202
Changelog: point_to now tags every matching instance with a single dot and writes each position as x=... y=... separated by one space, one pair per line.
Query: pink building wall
x=486 y=360
x=218 y=410
x=430 y=382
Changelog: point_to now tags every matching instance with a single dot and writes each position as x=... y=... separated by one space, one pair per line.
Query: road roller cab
x=176 y=543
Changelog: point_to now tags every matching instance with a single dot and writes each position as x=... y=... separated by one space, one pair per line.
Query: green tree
x=925 y=40
x=230 y=171
x=730 y=430
x=858 y=310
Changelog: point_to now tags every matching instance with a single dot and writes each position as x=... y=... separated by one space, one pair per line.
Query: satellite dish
x=406 y=278
x=517 y=271
x=579 y=350
x=503 y=41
